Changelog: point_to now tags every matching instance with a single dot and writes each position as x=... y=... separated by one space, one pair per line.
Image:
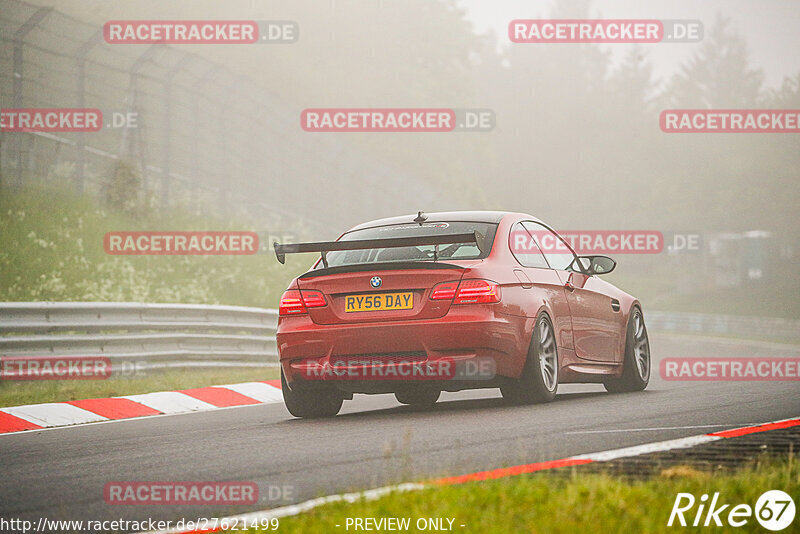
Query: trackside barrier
x=154 y=335
x=779 y=329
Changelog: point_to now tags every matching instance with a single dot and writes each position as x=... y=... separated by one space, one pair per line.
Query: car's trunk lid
x=353 y=291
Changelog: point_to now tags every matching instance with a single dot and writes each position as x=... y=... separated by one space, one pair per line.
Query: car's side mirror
x=597 y=264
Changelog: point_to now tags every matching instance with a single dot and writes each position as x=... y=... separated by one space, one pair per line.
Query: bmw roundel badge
x=375 y=281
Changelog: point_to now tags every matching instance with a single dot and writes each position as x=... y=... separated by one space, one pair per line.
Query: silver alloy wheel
x=641 y=348
x=548 y=357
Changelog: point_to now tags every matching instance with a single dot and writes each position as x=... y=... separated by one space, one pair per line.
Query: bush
x=123 y=191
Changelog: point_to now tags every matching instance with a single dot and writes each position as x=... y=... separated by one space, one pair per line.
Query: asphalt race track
x=60 y=473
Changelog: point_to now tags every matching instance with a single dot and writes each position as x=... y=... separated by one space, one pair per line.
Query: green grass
x=577 y=502
x=51 y=248
x=19 y=392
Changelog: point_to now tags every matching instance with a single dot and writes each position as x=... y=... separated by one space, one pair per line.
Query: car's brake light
x=293 y=302
x=444 y=291
x=477 y=292
x=467 y=292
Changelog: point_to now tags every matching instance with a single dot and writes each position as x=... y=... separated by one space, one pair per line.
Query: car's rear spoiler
x=359 y=244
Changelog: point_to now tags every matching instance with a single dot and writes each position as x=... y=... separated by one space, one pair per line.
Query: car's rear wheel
x=311 y=403
x=636 y=364
x=539 y=379
x=419 y=398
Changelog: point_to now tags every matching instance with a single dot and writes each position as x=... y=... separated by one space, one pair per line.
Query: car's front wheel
x=311 y=403
x=636 y=363
x=539 y=379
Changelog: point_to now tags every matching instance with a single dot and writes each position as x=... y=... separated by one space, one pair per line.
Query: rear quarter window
x=525 y=248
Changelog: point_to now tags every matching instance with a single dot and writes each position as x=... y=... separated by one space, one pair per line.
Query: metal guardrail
x=160 y=335
x=727 y=325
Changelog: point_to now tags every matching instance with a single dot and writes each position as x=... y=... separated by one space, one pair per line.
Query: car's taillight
x=477 y=292
x=313 y=298
x=444 y=291
x=294 y=302
x=467 y=292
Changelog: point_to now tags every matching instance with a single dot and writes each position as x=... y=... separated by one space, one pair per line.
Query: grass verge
x=16 y=393
x=51 y=249
x=555 y=503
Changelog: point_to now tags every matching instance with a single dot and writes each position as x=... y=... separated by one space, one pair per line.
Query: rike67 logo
x=774 y=510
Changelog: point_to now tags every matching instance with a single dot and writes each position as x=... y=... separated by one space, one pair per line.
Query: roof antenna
x=420 y=218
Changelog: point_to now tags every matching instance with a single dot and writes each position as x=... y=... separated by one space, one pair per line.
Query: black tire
x=311 y=403
x=636 y=363
x=418 y=398
x=538 y=382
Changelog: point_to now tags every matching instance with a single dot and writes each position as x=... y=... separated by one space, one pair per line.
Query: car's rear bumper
x=371 y=357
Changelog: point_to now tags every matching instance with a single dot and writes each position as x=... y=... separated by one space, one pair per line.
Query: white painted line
x=295 y=509
x=660 y=446
x=54 y=414
x=622 y=430
x=170 y=402
x=256 y=390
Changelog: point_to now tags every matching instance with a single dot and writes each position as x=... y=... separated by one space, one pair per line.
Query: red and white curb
x=54 y=414
x=602 y=456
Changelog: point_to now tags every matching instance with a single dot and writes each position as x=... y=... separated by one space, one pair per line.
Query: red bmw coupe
x=417 y=305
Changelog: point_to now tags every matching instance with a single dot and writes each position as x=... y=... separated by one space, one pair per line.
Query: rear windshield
x=456 y=251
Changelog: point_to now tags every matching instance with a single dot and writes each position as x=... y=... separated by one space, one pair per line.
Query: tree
x=718 y=75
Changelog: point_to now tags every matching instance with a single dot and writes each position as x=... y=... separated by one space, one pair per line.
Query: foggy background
x=576 y=143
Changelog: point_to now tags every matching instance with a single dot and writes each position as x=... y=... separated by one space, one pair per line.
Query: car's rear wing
x=324 y=247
